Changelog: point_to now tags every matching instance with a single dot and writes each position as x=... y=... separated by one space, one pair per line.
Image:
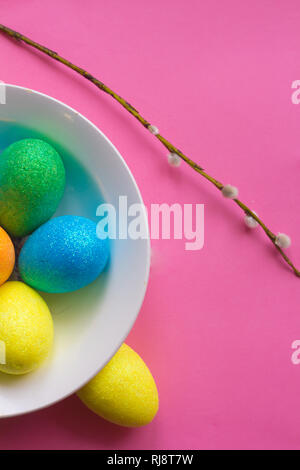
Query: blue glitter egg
x=63 y=255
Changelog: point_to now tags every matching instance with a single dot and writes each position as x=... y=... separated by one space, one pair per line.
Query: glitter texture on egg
x=7 y=256
x=63 y=255
x=32 y=183
x=124 y=392
x=26 y=328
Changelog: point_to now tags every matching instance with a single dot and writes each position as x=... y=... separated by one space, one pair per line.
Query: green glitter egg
x=32 y=183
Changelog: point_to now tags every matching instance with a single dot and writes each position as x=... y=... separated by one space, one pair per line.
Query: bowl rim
x=147 y=260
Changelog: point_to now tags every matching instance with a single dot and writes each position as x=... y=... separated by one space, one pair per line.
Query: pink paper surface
x=217 y=325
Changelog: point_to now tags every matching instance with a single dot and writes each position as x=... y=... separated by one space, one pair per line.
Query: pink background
x=217 y=325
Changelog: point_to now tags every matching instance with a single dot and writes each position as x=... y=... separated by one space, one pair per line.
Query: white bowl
x=90 y=324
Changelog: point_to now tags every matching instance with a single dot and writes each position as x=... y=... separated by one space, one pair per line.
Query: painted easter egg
x=26 y=328
x=7 y=256
x=32 y=183
x=124 y=392
x=63 y=255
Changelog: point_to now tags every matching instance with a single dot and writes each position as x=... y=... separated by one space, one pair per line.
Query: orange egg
x=7 y=256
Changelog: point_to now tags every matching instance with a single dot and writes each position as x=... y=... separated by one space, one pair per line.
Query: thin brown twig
x=146 y=124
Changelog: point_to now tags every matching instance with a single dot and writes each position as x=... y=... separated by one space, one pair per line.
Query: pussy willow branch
x=146 y=124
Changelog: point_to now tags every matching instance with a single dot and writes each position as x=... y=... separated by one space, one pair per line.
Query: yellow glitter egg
x=7 y=256
x=124 y=391
x=26 y=328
